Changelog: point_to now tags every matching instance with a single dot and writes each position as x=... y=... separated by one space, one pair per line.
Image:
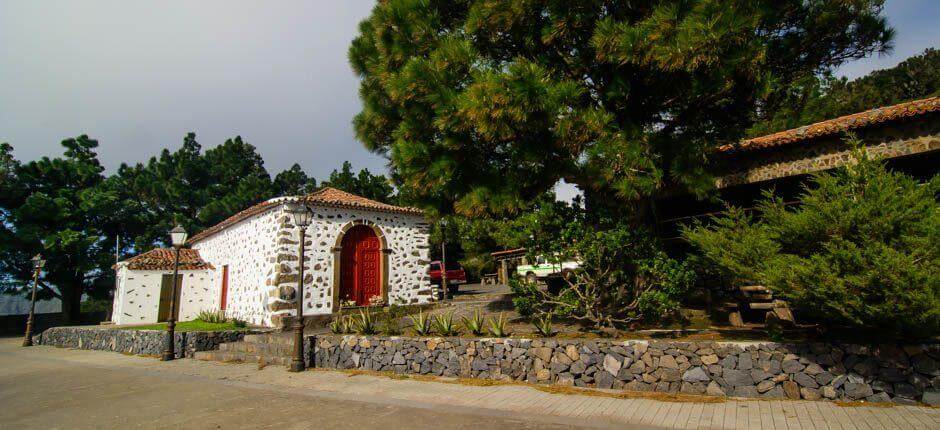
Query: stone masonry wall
x=248 y=249
x=138 y=342
x=903 y=374
x=406 y=238
x=820 y=154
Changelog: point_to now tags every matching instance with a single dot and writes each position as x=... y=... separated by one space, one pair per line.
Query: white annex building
x=357 y=251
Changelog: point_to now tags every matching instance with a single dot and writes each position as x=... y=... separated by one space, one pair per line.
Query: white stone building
x=357 y=251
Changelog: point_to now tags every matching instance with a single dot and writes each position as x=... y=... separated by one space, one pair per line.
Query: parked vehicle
x=542 y=269
x=456 y=276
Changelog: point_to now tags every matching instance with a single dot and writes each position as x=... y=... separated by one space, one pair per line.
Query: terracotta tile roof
x=509 y=252
x=838 y=125
x=329 y=196
x=163 y=259
x=326 y=196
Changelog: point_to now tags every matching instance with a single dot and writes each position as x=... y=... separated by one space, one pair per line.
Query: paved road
x=45 y=387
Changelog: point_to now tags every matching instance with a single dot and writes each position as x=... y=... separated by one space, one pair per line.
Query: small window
x=435 y=266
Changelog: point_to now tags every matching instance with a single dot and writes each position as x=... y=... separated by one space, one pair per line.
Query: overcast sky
x=139 y=75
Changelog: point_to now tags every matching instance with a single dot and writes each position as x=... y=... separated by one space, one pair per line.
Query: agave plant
x=340 y=324
x=475 y=323
x=211 y=316
x=444 y=324
x=498 y=326
x=420 y=324
x=543 y=325
x=364 y=323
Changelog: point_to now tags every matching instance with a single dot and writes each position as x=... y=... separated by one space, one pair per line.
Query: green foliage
x=420 y=324
x=64 y=209
x=482 y=106
x=498 y=326
x=208 y=316
x=444 y=325
x=543 y=325
x=365 y=184
x=340 y=324
x=623 y=276
x=294 y=182
x=526 y=297
x=186 y=326
x=391 y=323
x=820 y=98
x=861 y=250
x=474 y=324
x=364 y=323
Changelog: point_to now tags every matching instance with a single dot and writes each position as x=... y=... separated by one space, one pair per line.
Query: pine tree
x=481 y=106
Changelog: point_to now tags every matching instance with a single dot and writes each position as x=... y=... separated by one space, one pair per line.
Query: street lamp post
x=444 y=285
x=178 y=239
x=302 y=217
x=38 y=263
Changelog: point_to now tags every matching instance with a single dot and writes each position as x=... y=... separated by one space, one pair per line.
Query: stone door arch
x=360 y=260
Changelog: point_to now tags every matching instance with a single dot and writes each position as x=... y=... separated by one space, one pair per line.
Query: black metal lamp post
x=38 y=264
x=178 y=239
x=303 y=216
x=444 y=284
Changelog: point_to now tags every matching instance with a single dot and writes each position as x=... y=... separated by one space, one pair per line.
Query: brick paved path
x=455 y=405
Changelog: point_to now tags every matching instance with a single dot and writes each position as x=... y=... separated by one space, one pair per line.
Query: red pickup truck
x=455 y=275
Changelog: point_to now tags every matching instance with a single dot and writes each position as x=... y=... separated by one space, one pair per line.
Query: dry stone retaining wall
x=139 y=342
x=904 y=374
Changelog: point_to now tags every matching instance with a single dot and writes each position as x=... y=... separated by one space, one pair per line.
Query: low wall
x=904 y=374
x=139 y=342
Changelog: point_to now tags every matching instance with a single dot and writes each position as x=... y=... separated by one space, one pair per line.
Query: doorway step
x=264 y=349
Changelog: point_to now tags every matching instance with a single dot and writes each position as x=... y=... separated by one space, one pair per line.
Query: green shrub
x=444 y=324
x=623 y=277
x=543 y=325
x=364 y=323
x=391 y=322
x=861 y=250
x=420 y=324
x=474 y=323
x=340 y=324
x=498 y=326
x=211 y=316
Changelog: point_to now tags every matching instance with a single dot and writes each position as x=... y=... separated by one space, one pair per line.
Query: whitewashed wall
x=137 y=300
x=406 y=236
x=248 y=248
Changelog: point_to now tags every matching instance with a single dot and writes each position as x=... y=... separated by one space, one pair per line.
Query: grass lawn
x=191 y=326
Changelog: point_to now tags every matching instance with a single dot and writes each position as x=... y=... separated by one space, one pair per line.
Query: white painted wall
x=137 y=298
x=248 y=248
x=407 y=238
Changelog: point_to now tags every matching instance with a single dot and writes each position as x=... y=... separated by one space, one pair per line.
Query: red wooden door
x=360 y=266
x=224 y=298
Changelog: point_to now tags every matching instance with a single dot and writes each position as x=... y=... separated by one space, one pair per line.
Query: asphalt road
x=44 y=387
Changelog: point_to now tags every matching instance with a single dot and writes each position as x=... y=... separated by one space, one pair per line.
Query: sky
x=139 y=75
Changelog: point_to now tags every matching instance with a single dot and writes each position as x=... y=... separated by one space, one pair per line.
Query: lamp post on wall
x=302 y=217
x=38 y=264
x=178 y=239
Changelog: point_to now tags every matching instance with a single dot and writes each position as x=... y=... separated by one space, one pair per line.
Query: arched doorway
x=360 y=266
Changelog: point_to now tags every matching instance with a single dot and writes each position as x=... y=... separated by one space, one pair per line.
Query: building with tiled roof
x=890 y=132
x=358 y=252
x=165 y=259
x=905 y=135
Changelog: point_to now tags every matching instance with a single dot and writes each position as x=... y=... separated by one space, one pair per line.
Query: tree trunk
x=72 y=303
